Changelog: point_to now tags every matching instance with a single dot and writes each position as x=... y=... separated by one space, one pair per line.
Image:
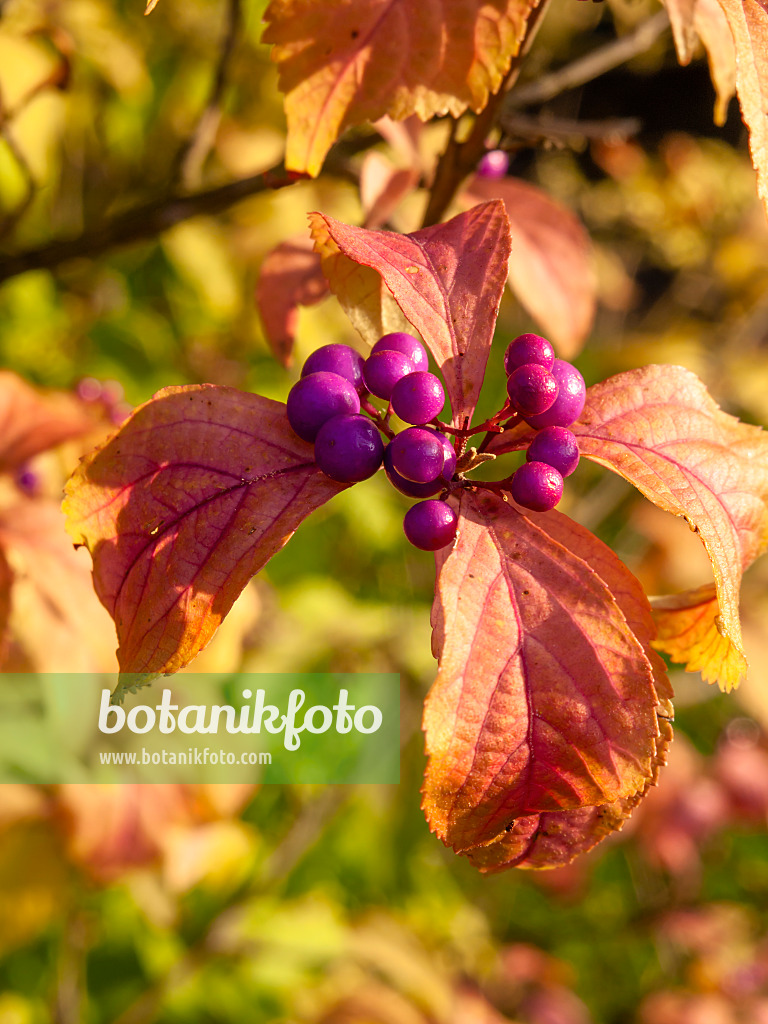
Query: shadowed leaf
x=194 y=494
x=550 y=269
x=544 y=699
x=348 y=61
x=659 y=428
x=290 y=277
x=447 y=280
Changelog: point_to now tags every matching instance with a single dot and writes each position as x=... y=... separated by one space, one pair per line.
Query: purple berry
x=89 y=389
x=531 y=389
x=383 y=369
x=569 y=403
x=537 y=486
x=349 y=448
x=528 y=348
x=408 y=486
x=449 y=466
x=430 y=524
x=494 y=164
x=27 y=480
x=341 y=359
x=418 y=397
x=557 y=446
x=316 y=398
x=410 y=347
x=418 y=455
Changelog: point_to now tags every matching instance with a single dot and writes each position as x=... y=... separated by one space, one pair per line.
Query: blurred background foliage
x=337 y=906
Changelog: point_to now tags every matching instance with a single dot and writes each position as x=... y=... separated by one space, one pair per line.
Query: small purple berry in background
x=417 y=454
x=408 y=487
x=27 y=480
x=532 y=389
x=89 y=389
x=314 y=399
x=569 y=403
x=112 y=392
x=558 y=447
x=418 y=397
x=430 y=524
x=537 y=486
x=528 y=348
x=341 y=359
x=494 y=164
x=349 y=448
x=411 y=347
x=383 y=369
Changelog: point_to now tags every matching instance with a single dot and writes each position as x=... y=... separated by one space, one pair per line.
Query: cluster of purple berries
x=324 y=407
x=549 y=394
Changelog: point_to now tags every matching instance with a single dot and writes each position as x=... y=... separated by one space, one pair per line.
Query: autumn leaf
x=192 y=496
x=290 y=277
x=694 y=20
x=689 y=630
x=748 y=21
x=545 y=698
x=51 y=595
x=383 y=186
x=361 y=292
x=550 y=268
x=31 y=422
x=660 y=429
x=552 y=839
x=447 y=280
x=344 y=62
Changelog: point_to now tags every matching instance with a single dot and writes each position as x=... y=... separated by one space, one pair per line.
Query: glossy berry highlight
x=557 y=446
x=383 y=369
x=537 y=486
x=430 y=524
x=316 y=398
x=568 y=405
x=532 y=389
x=349 y=448
x=417 y=454
x=341 y=359
x=528 y=348
x=418 y=397
x=399 y=341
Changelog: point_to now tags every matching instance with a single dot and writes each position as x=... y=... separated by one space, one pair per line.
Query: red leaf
x=447 y=280
x=342 y=64
x=550 y=269
x=659 y=428
x=194 y=494
x=30 y=422
x=383 y=186
x=545 y=698
x=290 y=277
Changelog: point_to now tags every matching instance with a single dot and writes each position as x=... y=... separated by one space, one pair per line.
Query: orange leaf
x=290 y=277
x=659 y=428
x=748 y=21
x=343 y=62
x=553 y=839
x=447 y=280
x=550 y=268
x=30 y=422
x=545 y=698
x=192 y=496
